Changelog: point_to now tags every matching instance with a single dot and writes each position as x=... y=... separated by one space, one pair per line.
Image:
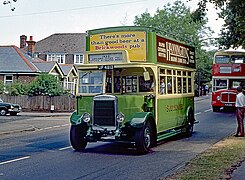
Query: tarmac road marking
x=51 y=127
x=64 y=148
x=14 y=160
x=208 y=110
x=198 y=113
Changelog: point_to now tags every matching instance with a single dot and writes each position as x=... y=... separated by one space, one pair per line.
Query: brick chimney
x=31 y=46
x=23 y=39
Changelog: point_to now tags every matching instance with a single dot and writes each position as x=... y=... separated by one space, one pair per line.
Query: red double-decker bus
x=228 y=73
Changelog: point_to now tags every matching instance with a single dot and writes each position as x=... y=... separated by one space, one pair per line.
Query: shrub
x=46 y=84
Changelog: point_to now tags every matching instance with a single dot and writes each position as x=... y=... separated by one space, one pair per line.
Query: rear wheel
x=143 y=138
x=3 y=112
x=190 y=124
x=77 y=137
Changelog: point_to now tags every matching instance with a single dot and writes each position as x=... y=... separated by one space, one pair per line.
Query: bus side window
x=162 y=86
x=117 y=84
x=169 y=85
x=184 y=85
x=179 y=85
x=108 y=81
x=146 y=86
x=129 y=84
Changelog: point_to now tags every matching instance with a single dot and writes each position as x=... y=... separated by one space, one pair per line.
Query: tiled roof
x=67 y=68
x=62 y=43
x=12 y=59
x=45 y=66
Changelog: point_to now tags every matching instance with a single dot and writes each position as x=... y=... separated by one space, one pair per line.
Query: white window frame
x=78 y=58
x=59 y=58
x=8 y=81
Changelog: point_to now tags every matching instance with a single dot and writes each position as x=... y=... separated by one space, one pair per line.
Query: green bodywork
x=129 y=105
x=172 y=113
x=167 y=115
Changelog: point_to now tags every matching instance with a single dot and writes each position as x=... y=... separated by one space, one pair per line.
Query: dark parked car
x=9 y=108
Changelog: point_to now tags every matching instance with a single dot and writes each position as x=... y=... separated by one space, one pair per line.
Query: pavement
x=20 y=126
x=15 y=127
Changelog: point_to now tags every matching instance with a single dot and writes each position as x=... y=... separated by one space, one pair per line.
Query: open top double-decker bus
x=135 y=87
x=228 y=73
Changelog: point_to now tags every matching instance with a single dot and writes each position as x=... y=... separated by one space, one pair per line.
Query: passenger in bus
x=152 y=86
x=117 y=85
x=162 y=87
x=240 y=110
x=169 y=87
x=222 y=84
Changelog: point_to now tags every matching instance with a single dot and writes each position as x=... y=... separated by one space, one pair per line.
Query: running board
x=168 y=134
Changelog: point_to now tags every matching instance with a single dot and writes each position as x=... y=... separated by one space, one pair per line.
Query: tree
x=178 y=22
x=46 y=84
x=233 y=30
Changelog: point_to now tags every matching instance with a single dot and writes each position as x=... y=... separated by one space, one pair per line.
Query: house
x=70 y=77
x=67 y=49
x=64 y=48
x=15 y=64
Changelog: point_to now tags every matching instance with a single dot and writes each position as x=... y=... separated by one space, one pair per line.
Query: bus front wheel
x=143 y=138
x=77 y=138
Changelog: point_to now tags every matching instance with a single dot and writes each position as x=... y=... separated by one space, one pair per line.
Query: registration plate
x=228 y=104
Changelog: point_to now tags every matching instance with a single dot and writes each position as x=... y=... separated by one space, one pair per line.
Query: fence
x=43 y=103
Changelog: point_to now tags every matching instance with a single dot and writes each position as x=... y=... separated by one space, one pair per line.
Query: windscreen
x=221 y=59
x=91 y=82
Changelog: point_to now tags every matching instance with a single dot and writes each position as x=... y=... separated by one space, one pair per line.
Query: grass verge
x=218 y=162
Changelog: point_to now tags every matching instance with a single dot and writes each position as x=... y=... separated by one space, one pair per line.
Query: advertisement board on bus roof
x=132 y=41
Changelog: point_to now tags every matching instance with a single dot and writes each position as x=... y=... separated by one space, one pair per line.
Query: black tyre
x=143 y=139
x=77 y=138
x=190 y=124
x=3 y=112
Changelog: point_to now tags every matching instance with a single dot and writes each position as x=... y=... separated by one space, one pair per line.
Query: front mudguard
x=76 y=119
x=139 y=119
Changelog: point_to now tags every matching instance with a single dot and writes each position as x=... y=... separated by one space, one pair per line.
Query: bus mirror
x=146 y=76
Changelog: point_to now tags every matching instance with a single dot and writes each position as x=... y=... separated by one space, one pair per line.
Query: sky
x=42 y=18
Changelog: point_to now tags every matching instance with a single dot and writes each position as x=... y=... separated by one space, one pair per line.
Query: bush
x=46 y=84
x=17 y=88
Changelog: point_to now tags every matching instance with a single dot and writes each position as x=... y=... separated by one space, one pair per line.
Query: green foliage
x=178 y=22
x=46 y=84
x=17 y=88
x=204 y=67
x=233 y=30
x=1 y=87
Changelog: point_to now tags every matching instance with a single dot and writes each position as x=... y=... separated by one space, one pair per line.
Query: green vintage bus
x=135 y=86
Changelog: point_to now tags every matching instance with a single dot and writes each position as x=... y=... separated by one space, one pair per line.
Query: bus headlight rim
x=86 y=117
x=120 y=117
